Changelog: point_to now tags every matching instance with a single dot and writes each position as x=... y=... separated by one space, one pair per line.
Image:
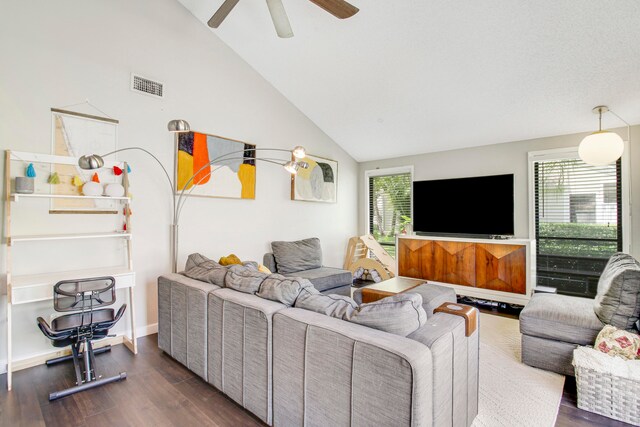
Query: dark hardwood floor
x=158 y=392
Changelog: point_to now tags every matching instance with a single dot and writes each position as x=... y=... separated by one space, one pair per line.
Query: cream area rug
x=512 y=394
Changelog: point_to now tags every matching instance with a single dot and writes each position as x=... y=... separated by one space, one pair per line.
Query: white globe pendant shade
x=601 y=148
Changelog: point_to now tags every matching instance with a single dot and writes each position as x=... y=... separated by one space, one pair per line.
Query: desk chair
x=80 y=328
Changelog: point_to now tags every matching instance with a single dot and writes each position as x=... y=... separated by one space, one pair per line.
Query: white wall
x=59 y=53
x=502 y=159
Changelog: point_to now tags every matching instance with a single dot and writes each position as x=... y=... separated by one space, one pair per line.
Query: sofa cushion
x=325 y=278
x=297 y=256
x=281 y=289
x=618 y=300
x=400 y=314
x=243 y=278
x=337 y=306
x=560 y=317
x=199 y=267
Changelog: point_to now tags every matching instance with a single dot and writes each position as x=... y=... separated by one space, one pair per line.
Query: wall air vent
x=147 y=86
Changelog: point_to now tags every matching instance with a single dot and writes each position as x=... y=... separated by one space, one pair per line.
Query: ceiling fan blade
x=338 y=8
x=222 y=13
x=280 y=19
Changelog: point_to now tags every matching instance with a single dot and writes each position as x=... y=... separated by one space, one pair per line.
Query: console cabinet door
x=501 y=267
x=440 y=261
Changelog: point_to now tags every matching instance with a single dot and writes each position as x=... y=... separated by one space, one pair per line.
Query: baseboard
x=39 y=359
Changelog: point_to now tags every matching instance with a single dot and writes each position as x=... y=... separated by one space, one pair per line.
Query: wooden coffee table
x=388 y=288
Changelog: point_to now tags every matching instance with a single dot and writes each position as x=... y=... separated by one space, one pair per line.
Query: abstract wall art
x=232 y=176
x=317 y=183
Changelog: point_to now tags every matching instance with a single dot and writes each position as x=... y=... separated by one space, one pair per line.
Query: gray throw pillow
x=244 y=278
x=337 y=306
x=400 y=314
x=618 y=300
x=282 y=289
x=199 y=267
x=297 y=256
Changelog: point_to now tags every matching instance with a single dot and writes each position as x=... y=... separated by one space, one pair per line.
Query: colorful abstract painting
x=232 y=173
x=318 y=182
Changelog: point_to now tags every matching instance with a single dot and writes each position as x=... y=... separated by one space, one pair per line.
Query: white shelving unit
x=31 y=288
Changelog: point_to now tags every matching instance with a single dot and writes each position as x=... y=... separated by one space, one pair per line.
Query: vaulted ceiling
x=417 y=76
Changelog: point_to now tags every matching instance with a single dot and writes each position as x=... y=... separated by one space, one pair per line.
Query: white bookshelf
x=31 y=288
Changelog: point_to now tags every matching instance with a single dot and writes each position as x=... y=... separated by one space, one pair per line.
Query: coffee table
x=396 y=285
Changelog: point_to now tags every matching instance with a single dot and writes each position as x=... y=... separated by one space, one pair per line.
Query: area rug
x=512 y=394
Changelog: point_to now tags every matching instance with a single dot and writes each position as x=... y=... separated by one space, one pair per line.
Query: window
x=577 y=221
x=389 y=205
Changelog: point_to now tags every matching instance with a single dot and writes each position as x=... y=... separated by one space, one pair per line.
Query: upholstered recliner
x=552 y=326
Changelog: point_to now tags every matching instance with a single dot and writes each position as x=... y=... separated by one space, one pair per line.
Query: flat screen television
x=475 y=206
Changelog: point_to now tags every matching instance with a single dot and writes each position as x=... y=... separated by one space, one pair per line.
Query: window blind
x=389 y=208
x=578 y=223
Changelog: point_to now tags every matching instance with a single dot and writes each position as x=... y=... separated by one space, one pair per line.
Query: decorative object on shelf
x=603 y=147
x=114 y=190
x=24 y=185
x=77 y=181
x=92 y=188
x=179 y=194
x=31 y=171
x=128 y=168
x=117 y=171
x=54 y=178
x=316 y=183
x=95 y=177
x=236 y=177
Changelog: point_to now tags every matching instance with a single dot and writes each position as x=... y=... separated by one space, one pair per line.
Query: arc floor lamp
x=178 y=196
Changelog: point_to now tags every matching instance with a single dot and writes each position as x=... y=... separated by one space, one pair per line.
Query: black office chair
x=79 y=329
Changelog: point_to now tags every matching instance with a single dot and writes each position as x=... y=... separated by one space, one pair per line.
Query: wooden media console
x=499 y=270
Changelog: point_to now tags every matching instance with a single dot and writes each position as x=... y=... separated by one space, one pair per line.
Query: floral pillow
x=618 y=342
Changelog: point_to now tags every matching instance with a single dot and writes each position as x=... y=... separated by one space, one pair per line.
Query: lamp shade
x=299 y=152
x=291 y=167
x=178 y=126
x=601 y=148
x=92 y=161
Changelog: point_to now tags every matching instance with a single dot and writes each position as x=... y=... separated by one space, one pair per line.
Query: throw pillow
x=264 y=269
x=618 y=342
x=204 y=269
x=282 y=289
x=618 y=300
x=245 y=279
x=297 y=256
x=229 y=260
x=400 y=314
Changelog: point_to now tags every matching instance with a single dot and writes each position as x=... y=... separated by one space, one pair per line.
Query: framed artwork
x=233 y=176
x=317 y=183
x=75 y=134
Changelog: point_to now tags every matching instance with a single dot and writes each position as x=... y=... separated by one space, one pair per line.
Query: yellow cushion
x=263 y=269
x=229 y=260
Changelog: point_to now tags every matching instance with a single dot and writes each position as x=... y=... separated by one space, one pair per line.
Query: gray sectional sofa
x=303 y=258
x=552 y=326
x=293 y=366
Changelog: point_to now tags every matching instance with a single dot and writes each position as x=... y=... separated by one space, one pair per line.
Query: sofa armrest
x=182 y=320
x=455 y=368
x=269 y=261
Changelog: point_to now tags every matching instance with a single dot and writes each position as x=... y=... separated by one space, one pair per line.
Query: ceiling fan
x=338 y=8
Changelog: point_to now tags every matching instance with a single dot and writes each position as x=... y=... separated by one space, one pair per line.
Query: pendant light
x=602 y=147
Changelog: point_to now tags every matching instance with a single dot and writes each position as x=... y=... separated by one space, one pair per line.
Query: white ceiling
x=417 y=76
